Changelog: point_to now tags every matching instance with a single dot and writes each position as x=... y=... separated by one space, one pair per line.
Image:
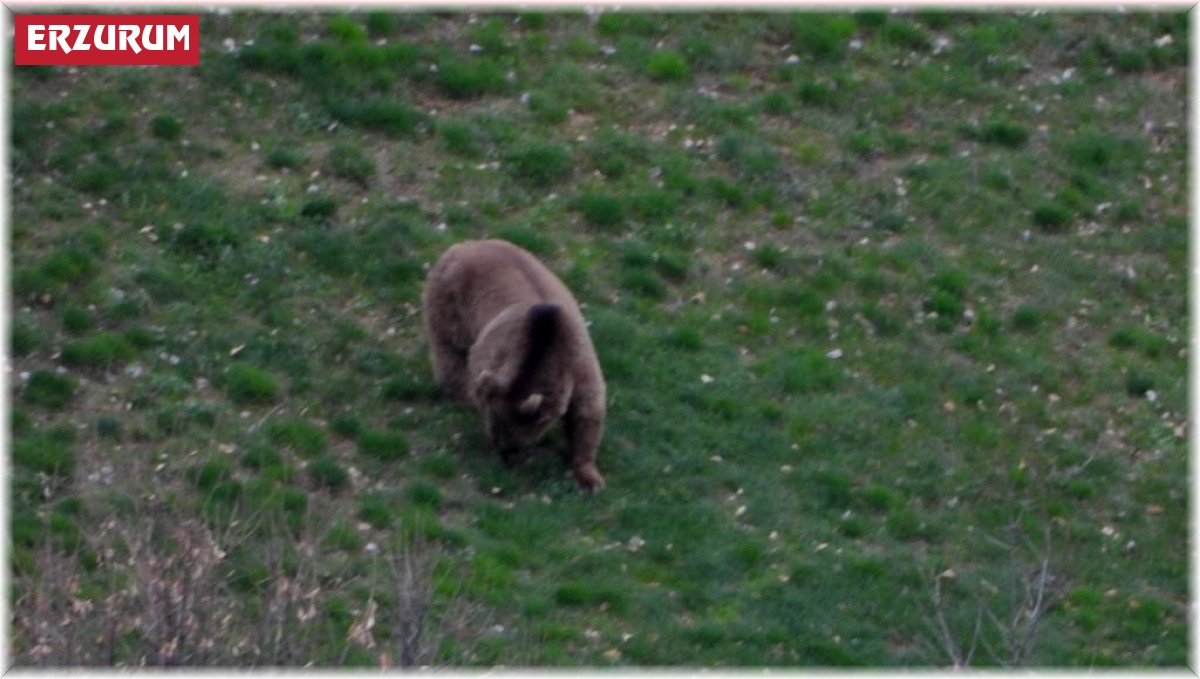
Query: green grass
x=667 y=65
x=101 y=351
x=248 y=385
x=349 y=161
x=49 y=390
x=382 y=445
x=956 y=350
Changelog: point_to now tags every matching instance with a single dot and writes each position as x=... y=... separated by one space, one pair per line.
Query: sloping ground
x=892 y=308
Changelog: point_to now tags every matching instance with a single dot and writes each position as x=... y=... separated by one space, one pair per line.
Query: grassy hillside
x=892 y=309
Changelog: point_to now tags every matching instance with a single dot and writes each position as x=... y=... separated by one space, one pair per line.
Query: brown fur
x=507 y=336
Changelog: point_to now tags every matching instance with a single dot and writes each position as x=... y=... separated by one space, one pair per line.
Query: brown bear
x=507 y=335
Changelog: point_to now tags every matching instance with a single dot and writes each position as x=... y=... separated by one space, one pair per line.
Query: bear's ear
x=530 y=405
x=486 y=385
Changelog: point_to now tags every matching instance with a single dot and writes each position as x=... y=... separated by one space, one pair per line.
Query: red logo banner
x=107 y=40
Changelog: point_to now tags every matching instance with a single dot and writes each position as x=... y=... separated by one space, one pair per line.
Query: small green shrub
x=530 y=239
x=948 y=307
x=424 y=495
x=102 y=351
x=1099 y=151
x=345 y=425
x=547 y=108
x=381 y=24
x=224 y=493
x=406 y=389
x=905 y=524
x=1001 y=133
x=441 y=467
x=905 y=35
x=614 y=24
x=490 y=36
x=345 y=30
x=653 y=206
x=802 y=371
x=302 y=436
x=343 y=537
x=77 y=321
x=25 y=336
x=388 y=116
x=283 y=157
x=776 y=103
x=673 y=266
x=97 y=178
x=668 y=65
x=1051 y=217
x=879 y=498
x=1026 y=319
x=248 y=385
x=166 y=128
x=727 y=193
x=70 y=266
x=49 y=390
x=208 y=475
x=1138 y=383
x=822 y=37
x=951 y=281
x=351 y=162
x=206 y=241
x=612 y=152
x=261 y=457
x=469 y=78
x=539 y=164
x=852 y=527
x=577 y=594
x=47 y=453
x=817 y=93
x=893 y=222
x=108 y=428
x=644 y=283
x=320 y=208
x=325 y=472
x=685 y=339
x=600 y=209
x=460 y=138
x=375 y=509
x=769 y=256
x=382 y=445
x=1148 y=342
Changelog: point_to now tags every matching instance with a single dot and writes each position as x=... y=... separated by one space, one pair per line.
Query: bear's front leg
x=449 y=369
x=584 y=426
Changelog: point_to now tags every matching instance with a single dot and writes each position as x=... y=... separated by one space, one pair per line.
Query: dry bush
x=1007 y=618
x=160 y=594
